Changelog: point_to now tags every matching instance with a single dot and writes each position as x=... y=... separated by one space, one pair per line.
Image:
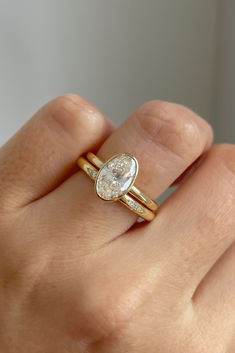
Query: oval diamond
x=116 y=177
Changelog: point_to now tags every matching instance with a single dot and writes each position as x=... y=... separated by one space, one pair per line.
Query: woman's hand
x=77 y=273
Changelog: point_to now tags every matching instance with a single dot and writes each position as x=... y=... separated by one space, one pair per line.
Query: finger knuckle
x=72 y=112
x=173 y=126
x=104 y=315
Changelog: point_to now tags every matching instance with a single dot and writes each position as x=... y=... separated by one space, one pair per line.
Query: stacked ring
x=114 y=181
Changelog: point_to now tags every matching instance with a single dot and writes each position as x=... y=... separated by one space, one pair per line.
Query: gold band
x=146 y=208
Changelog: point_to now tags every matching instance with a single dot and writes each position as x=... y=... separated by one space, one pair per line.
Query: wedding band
x=114 y=181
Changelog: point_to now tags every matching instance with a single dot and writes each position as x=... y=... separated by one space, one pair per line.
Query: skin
x=78 y=274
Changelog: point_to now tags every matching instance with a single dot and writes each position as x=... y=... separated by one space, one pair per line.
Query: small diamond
x=134 y=205
x=93 y=173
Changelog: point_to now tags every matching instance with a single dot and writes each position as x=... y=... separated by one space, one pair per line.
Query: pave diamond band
x=114 y=180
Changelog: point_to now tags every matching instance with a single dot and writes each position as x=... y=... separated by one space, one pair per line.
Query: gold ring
x=114 y=181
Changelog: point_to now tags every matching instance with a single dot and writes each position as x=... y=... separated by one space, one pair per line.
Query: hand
x=78 y=274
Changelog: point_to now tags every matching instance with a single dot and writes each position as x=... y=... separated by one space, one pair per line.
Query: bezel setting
x=115 y=180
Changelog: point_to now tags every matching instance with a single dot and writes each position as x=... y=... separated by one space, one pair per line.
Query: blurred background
x=118 y=54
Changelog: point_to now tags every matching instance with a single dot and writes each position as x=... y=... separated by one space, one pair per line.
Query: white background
x=118 y=54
